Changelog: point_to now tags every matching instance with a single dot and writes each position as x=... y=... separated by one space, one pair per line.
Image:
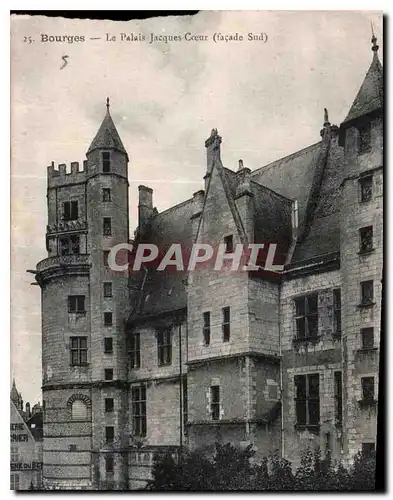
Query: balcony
x=66 y=226
x=58 y=265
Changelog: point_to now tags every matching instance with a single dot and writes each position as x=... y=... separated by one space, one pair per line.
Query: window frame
x=364 y=299
x=139 y=412
x=85 y=416
x=76 y=304
x=215 y=402
x=306 y=399
x=109 y=429
x=337 y=325
x=109 y=408
x=338 y=398
x=108 y=371
x=78 y=350
x=206 y=329
x=228 y=242
x=108 y=285
x=364 y=146
x=226 y=324
x=366 y=188
x=69 y=245
x=106 y=195
x=108 y=318
x=107 y=226
x=107 y=341
x=367 y=330
x=306 y=316
x=164 y=346
x=106 y=162
x=366 y=239
x=135 y=350
x=368 y=392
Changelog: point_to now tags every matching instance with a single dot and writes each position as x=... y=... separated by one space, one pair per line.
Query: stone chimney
x=145 y=208
x=28 y=412
x=244 y=200
x=197 y=207
x=213 y=152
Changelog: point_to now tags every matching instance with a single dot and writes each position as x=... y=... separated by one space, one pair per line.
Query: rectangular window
x=106 y=194
x=226 y=324
x=206 y=328
x=366 y=239
x=337 y=311
x=367 y=291
x=108 y=373
x=366 y=188
x=185 y=402
x=109 y=464
x=70 y=210
x=14 y=454
x=69 y=245
x=368 y=388
x=78 y=349
x=106 y=257
x=108 y=345
x=139 y=421
x=14 y=481
x=364 y=137
x=72 y=447
x=135 y=350
x=307 y=317
x=106 y=162
x=107 y=226
x=228 y=242
x=164 y=347
x=367 y=338
x=76 y=304
x=215 y=402
x=338 y=398
x=107 y=290
x=368 y=449
x=108 y=319
x=307 y=399
x=109 y=434
x=108 y=405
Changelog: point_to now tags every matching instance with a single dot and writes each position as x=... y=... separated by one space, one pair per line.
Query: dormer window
x=106 y=162
x=364 y=137
x=228 y=242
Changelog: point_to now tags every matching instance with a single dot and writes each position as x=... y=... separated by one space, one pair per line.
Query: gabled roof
x=370 y=95
x=107 y=136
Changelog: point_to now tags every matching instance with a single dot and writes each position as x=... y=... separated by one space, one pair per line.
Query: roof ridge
x=172 y=207
x=287 y=157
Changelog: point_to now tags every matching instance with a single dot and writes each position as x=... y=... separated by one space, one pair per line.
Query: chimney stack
x=145 y=208
x=212 y=145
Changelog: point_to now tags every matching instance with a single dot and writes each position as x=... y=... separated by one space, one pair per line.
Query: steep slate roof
x=107 y=136
x=166 y=290
x=291 y=176
x=370 y=95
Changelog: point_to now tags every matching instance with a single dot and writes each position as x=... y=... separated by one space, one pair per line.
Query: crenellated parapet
x=64 y=175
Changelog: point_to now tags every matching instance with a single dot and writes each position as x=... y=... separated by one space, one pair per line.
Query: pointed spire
x=375 y=47
x=107 y=136
x=370 y=95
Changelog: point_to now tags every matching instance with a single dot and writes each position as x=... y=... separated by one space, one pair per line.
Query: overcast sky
x=266 y=99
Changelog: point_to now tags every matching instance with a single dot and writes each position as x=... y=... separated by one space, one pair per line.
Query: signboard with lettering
x=26 y=466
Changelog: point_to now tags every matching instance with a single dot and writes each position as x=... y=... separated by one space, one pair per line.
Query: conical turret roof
x=107 y=136
x=370 y=95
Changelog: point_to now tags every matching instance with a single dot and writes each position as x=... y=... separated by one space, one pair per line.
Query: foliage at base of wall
x=232 y=469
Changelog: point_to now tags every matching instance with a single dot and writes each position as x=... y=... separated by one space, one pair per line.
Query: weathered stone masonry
x=155 y=360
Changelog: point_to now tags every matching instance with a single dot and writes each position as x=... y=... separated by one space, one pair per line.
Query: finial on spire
x=375 y=47
x=107 y=104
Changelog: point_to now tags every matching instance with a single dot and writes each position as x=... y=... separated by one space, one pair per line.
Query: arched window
x=79 y=410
